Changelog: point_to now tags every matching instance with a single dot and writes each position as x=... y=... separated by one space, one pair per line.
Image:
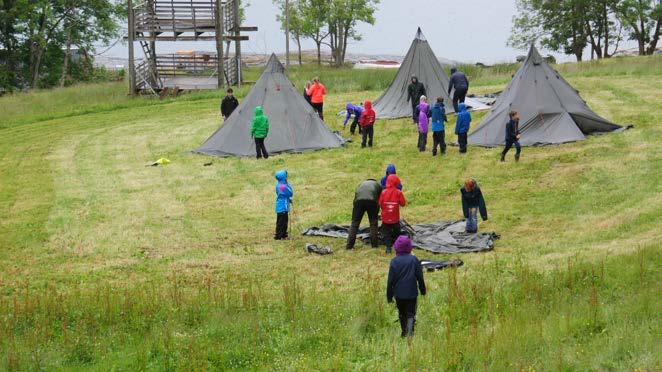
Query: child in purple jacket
x=423 y=119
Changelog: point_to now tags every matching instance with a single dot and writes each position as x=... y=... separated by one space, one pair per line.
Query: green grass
x=108 y=264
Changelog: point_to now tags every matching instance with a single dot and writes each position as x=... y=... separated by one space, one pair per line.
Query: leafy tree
x=643 y=19
x=342 y=20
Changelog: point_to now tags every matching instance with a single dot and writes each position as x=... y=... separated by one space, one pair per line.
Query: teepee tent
x=421 y=62
x=551 y=110
x=293 y=124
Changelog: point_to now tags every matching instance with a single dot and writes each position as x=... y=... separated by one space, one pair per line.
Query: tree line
x=570 y=26
x=38 y=38
x=330 y=23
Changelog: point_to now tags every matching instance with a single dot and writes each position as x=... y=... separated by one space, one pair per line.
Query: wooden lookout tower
x=153 y=21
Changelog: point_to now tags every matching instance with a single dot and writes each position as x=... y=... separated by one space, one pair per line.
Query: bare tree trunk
x=65 y=63
x=656 y=37
x=298 y=39
x=605 y=19
x=642 y=38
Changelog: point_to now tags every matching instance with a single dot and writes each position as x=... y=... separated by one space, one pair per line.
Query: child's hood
x=462 y=107
x=368 y=105
x=259 y=111
x=392 y=181
x=390 y=169
x=281 y=176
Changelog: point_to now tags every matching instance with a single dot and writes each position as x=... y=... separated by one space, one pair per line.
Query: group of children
x=405 y=278
x=364 y=119
x=437 y=113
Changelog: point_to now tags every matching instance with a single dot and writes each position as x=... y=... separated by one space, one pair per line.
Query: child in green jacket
x=259 y=131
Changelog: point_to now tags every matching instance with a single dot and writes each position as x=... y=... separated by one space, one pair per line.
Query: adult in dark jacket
x=228 y=104
x=405 y=280
x=366 y=200
x=512 y=136
x=460 y=82
x=415 y=91
x=472 y=202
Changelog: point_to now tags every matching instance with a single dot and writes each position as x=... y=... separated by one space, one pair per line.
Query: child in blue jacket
x=438 y=127
x=462 y=127
x=284 y=195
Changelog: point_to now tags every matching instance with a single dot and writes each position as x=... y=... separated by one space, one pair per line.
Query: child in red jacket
x=367 y=121
x=390 y=202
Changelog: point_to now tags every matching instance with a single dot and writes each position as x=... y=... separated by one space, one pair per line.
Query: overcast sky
x=465 y=31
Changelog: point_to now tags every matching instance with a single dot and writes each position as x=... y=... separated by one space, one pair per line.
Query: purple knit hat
x=402 y=245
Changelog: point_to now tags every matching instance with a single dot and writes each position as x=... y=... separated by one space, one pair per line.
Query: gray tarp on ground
x=551 y=110
x=439 y=237
x=421 y=62
x=293 y=124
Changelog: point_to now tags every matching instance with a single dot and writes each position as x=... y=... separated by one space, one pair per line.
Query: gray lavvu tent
x=551 y=110
x=421 y=62
x=293 y=124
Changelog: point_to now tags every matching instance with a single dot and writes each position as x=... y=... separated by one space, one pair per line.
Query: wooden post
x=132 y=65
x=219 y=42
x=287 y=33
x=237 y=42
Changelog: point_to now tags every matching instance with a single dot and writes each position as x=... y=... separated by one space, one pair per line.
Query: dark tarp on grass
x=551 y=110
x=293 y=124
x=439 y=237
x=421 y=62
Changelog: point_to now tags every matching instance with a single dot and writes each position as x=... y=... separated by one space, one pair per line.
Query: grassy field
x=108 y=264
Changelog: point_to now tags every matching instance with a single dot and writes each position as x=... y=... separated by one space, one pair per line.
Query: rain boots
x=517 y=156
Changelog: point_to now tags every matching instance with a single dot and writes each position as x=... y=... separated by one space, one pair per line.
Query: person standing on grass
x=284 y=195
x=306 y=96
x=367 y=123
x=228 y=104
x=512 y=136
x=356 y=111
x=423 y=119
x=472 y=203
x=438 y=127
x=460 y=82
x=390 y=201
x=366 y=200
x=316 y=92
x=414 y=92
x=462 y=124
x=390 y=169
x=259 y=131
x=405 y=281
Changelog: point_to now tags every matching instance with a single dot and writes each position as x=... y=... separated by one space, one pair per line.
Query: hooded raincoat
x=463 y=120
x=391 y=200
x=260 y=125
x=284 y=192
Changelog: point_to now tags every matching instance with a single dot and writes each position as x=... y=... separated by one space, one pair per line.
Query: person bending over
x=472 y=203
x=366 y=200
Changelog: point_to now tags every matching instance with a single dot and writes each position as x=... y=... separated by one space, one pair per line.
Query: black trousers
x=438 y=139
x=319 y=108
x=367 y=133
x=260 y=149
x=360 y=208
x=406 y=310
x=355 y=124
x=422 y=141
x=281 y=225
x=459 y=96
x=390 y=232
x=462 y=141
x=509 y=145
